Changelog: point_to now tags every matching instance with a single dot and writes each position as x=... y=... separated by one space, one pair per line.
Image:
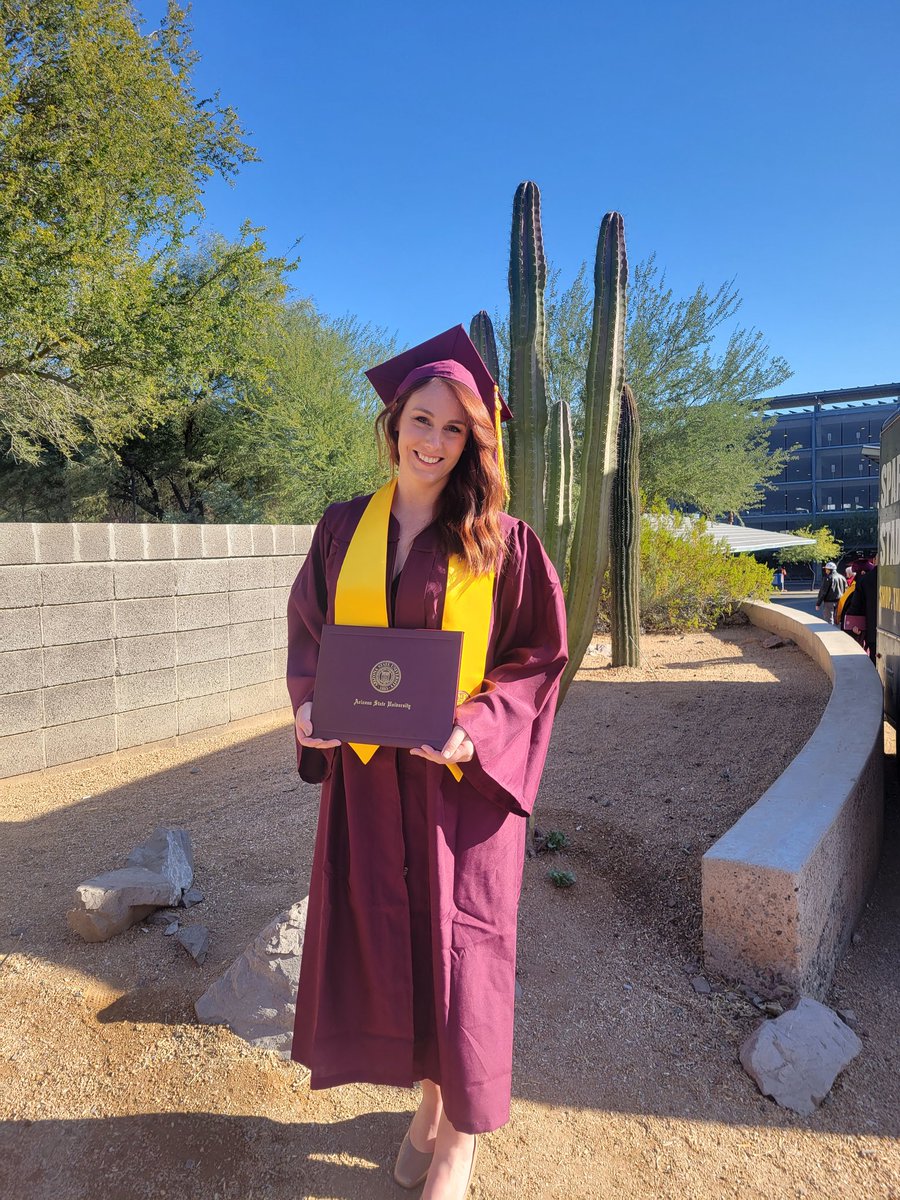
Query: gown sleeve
x=307 y=612
x=510 y=720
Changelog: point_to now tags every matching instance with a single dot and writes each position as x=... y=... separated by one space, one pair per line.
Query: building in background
x=828 y=481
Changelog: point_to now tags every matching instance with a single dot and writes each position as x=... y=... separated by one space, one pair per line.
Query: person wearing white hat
x=830 y=591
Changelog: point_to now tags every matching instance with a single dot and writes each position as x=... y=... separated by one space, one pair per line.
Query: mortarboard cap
x=450 y=355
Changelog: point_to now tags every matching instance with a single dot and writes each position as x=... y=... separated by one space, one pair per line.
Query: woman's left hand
x=458 y=749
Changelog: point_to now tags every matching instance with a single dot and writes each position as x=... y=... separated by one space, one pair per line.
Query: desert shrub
x=688 y=579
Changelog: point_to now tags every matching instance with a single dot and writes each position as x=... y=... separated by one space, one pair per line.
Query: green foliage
x=703 y=444
x=688 y=579
x=825 y=548
x=561 y=879
x=104 y=152
x=556 y=840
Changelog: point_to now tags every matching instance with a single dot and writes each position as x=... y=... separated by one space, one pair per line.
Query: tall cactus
x=589 y=555
x=625 y=539
x=527 y=359
x=558 y=493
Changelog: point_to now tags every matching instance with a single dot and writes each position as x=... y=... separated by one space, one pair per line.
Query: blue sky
x=755 y=142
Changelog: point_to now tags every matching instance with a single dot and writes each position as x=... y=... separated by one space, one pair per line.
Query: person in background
x=830 y=592
x=778 y=579
x=864 y=604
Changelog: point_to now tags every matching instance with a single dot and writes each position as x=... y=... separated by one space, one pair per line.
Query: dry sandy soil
x=626 y=1080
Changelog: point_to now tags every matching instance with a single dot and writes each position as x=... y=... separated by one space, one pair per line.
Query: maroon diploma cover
x=386 y=687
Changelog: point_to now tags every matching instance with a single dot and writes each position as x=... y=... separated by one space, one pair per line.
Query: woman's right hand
x=303 y=726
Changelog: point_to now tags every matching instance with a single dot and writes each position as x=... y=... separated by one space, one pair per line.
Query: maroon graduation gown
x=408 y=968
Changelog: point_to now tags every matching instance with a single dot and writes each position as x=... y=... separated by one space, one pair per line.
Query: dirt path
x=626 y=1081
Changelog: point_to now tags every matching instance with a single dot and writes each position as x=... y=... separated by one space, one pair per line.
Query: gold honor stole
x=361 y=599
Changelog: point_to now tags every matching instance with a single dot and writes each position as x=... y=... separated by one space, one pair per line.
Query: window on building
x=799 y=469
x=798 y=500
x=830 y=431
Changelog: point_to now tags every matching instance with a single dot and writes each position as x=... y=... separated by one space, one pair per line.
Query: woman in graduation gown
x=408 y=969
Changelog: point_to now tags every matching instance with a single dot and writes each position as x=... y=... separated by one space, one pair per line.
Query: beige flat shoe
x=412 y=1165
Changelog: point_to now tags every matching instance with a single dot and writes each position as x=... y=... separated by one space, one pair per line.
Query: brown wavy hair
x=468 y=512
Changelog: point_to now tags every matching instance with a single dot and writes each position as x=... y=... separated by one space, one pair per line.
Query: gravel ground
x=626 y=1080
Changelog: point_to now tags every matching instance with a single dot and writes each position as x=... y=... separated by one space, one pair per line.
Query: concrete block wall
x=112 y=636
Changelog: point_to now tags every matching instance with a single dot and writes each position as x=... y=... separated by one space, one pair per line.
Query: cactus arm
x=481 y=331
x=625 y=540
x=559 y=486
x=605 y=379
x=527 y=359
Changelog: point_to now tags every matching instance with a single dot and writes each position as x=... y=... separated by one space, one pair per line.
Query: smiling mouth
x=429 y=462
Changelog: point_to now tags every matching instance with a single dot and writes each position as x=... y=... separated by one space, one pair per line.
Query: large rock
x=257 y=995
x=168 y=852
x=107 y=904
x=796 y=1058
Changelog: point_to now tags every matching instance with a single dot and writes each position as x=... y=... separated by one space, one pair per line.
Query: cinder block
x=21 y=752
x=93 y=541
x=188 y=541
x=20 y=628
x=20 y=587
x=77 y=583
x=140 y=580
x=198 y=576
x=279 y=632
x=128 y=542
x=21 y=671
x=203 y=678
x=159 y=541
x=279 y=663
x=287 y=569
x=21 y=712
x=202 y=612
x=248 y=701
x=91 y=698
x=303 y=535
x=263 y=539
x=145 y=689
x=254 y=605
x=80 y=739
x=54 y=543
x=143 y=725
x=204 y=712
x=202 y=645
x=137 y=617
x=280 y=601
x=240 y=541
x=64 y=624
x=151 y=653
x=250 y=638
x=245 y=574
x=215 y=541
x=251 y=668
x=78 y=662
x=17 y=543
x=283 y=536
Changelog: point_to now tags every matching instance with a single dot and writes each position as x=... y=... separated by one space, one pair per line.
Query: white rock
x=796 y=1058
x=256 y=997
x=168 y=851
x=109 y=903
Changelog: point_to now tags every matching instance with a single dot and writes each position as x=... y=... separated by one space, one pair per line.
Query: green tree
x=704 y=443
x=309 y=430
x=824 y=548
x=104 y=152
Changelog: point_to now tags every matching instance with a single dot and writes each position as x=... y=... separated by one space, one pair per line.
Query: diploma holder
x=386 y=686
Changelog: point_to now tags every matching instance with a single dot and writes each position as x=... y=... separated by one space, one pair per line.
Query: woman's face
x=431 y=434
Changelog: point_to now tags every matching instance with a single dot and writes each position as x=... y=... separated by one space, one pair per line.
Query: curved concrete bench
x=785 y=886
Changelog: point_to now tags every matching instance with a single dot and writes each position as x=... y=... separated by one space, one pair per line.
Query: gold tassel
x=500 y=459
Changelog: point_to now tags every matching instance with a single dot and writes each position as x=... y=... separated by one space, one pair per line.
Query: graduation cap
x=450 y=355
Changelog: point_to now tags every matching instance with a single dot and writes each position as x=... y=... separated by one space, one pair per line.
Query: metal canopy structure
x=740 y=539
x=837 y=397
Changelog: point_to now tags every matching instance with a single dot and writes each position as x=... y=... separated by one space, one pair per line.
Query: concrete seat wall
x=783 y=889
x=115 y=635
